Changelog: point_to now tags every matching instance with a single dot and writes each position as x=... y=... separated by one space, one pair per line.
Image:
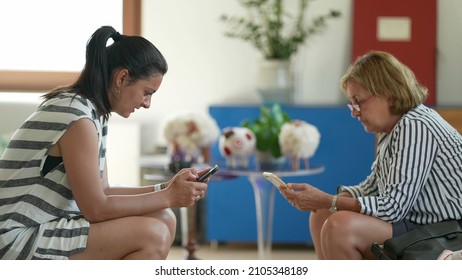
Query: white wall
x=123 y=151
x=449 y=53
x=208 y=68
x=205 y=67
x=15 y=109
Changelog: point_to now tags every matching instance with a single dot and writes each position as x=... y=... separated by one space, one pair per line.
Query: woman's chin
x=124 y=115
x=368 y=128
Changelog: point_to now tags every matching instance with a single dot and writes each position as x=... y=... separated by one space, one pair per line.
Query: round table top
x=161 y=162
x=282 y=172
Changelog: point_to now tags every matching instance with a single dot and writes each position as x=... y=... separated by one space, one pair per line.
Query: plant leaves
x=276 y=33
x=267 y=128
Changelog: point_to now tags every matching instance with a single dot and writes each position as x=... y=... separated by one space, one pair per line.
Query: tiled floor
x=245 y=252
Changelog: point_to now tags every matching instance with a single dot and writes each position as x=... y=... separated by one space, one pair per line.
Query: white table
x=264 y=193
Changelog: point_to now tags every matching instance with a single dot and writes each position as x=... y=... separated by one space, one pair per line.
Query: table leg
x=264 y=193
x=191 y=244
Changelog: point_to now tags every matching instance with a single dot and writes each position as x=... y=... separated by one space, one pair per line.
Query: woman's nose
x=147 y=102
x=355 y=114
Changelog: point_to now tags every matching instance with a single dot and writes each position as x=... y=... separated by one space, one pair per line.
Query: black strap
x=379 y=252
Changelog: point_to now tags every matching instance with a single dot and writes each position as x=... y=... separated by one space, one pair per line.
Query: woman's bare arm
x=79 y=149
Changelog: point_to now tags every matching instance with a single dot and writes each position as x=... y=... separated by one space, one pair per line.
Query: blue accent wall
x=345 y=150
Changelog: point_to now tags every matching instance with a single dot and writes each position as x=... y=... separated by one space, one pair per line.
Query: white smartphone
x=275 y=180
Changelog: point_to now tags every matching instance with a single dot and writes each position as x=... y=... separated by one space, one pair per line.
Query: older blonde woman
x=416 y=178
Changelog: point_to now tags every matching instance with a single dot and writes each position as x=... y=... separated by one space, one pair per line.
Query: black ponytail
x=93 y=80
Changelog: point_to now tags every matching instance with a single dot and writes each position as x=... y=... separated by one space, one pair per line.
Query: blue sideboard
x=346 y=151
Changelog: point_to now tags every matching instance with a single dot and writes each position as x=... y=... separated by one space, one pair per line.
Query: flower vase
x=275 y=81
x=267 y=162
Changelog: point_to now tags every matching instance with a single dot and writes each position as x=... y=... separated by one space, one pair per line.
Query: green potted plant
x=266 y=129
x=277 y=34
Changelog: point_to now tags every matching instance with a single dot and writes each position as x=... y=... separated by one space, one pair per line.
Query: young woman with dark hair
x=55 y=199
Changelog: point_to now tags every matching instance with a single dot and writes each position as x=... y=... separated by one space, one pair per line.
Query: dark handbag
x=426 y=242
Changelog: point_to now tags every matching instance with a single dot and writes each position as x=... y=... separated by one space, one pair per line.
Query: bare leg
x=349 y=235
x=317 y=220
x=138 y=237
x=169 y=218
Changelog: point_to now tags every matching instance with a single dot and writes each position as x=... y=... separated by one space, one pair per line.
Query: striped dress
x=39 y=218
x=417 y=174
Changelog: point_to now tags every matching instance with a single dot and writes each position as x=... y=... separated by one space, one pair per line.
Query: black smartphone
x=208 y=174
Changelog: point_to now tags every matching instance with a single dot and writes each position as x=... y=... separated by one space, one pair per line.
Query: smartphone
x=208 y=174
x=275 y=180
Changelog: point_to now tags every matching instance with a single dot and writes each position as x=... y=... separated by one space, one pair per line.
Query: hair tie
x=117 y=37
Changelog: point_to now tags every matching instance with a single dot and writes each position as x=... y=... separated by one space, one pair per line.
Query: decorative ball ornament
x=190 y=135
x=237 y=144
x=299 y=140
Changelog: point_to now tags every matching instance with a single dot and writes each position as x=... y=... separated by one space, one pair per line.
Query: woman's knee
x=139 y=237
x=168 y=217
x=349 y=235
x=157 y=239
x=339 y=225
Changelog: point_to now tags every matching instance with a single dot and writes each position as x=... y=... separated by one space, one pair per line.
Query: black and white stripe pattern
x=417 y=174
x=39 y=218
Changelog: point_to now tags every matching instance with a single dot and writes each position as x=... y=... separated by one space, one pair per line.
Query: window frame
x=39 y=81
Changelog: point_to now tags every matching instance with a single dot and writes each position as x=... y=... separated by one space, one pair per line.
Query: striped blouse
x=39 y=218
x=417 y=174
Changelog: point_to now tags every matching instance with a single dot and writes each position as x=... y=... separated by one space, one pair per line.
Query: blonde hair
x=383 y=75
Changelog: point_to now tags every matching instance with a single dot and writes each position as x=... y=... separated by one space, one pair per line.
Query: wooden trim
x=132 y=17
x=35 y=80
x=43 y=81
x=453 y=116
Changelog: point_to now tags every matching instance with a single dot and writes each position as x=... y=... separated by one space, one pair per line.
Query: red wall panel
x=419 y=53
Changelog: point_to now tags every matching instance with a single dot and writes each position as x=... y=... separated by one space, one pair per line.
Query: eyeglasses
x=357 y=106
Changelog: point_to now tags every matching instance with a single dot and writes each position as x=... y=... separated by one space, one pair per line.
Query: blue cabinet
x=345 y=150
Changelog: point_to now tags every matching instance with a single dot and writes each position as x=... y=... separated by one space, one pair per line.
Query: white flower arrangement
x=188 y=133
x=299 y=140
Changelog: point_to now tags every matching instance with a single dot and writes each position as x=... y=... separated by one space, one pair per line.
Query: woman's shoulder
x=70 y=103
x=421 y=114
x=419 y=110
x=423 y=118
x=65 y=99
